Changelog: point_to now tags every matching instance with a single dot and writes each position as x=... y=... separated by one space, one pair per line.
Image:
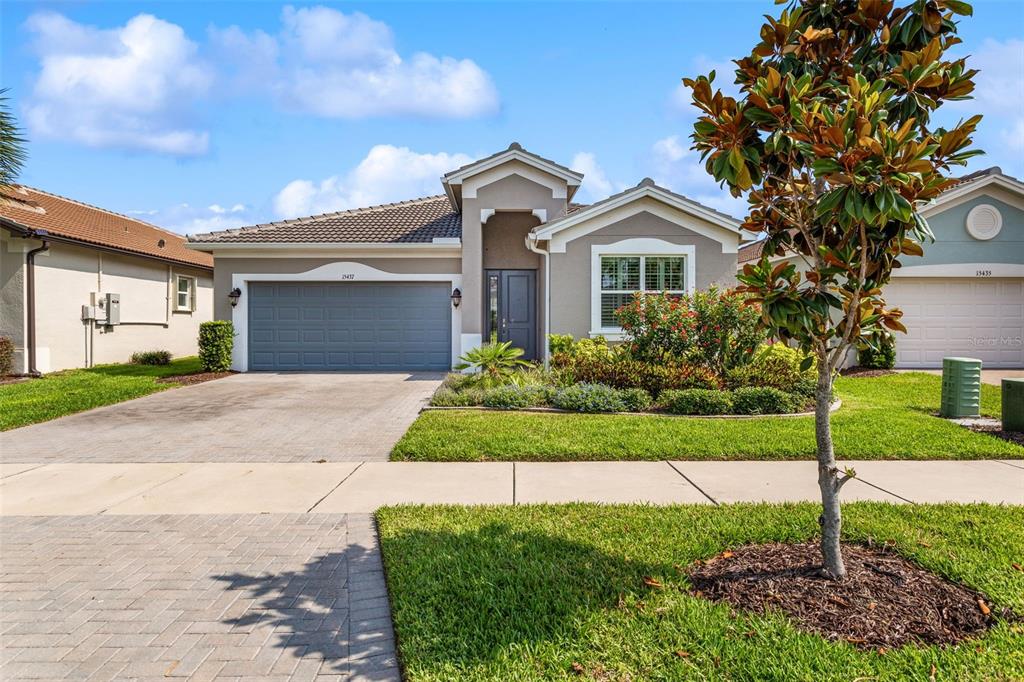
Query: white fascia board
x=963 y=192
x=457 y=177
x=639 y=193
x=438 y=249
x=969 y=270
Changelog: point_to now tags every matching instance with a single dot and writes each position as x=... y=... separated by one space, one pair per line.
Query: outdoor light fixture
x=235 y=294
x=456 y=297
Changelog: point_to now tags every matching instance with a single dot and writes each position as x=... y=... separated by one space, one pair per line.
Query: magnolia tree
x=832 y=138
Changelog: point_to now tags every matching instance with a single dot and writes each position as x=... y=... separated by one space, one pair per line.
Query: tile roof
x=417 y=221
x=751 y=252
x=61 y=217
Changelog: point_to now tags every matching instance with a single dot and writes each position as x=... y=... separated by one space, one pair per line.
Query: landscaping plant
x=879 y=354
x=832 y=138
x=6 y=356
x=216 y=340
x=494 y=364
x=13 y=152
x=151 y=357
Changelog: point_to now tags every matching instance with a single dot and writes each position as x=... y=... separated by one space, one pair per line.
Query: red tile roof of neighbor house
x=31 y=210
x=416 y=221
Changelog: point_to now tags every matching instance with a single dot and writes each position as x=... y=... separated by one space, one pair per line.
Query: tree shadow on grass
x=333 y=609
x=462 y=598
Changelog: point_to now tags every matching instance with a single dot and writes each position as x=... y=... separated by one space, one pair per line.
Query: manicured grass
x=524 y=593
x=62 y=393
x=888 y=417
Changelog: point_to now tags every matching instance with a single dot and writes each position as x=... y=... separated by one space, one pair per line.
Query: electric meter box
x=113 y=308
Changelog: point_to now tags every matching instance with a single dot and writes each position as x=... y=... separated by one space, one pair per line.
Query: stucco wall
x=954 y=244
x=226 y=268
x=67 y=275
x=511 y=193
x=12 y=294
x=571 y=275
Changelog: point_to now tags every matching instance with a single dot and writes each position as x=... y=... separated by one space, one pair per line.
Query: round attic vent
x=984 y=221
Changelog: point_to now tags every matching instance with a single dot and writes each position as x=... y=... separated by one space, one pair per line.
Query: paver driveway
x=200 y=597
x=243 y=418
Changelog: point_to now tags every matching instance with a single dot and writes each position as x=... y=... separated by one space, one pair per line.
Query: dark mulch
x=198 y=378
x=866 y=372
x=14 y=379
x=997 y=431
x=884 y=602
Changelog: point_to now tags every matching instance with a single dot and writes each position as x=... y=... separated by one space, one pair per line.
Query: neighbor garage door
x=977 y=318
x=322 y=326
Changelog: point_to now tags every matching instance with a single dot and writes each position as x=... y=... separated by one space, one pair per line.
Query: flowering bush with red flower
x=711 y=328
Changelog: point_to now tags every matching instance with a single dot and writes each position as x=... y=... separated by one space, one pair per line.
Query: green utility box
x=1013 y=404
x=961 y=387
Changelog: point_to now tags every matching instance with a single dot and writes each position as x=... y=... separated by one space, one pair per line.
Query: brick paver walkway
x=270 y=597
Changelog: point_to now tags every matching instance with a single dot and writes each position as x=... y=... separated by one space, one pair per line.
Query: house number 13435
x=982 y=273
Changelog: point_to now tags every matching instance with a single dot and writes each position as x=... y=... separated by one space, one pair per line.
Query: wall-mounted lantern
x=456 y=297
x=235 y=294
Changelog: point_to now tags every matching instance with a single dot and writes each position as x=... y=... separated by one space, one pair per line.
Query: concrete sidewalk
x=354 y=487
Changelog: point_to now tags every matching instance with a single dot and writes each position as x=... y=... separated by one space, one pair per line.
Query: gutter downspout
x=30 y=303
x=531 y=244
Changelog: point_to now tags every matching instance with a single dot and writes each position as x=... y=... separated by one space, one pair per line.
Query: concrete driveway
x=243 y=418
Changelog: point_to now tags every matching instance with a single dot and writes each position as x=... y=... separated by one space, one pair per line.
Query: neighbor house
x=502 y=254
x=80 y=285
x=965 y=297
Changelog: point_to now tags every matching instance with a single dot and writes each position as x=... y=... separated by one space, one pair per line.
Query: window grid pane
x=609 y=304
x=663 y=273
x=620 y=273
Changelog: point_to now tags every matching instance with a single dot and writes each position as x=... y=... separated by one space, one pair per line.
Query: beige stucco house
x=503 y=253
x=80 y=285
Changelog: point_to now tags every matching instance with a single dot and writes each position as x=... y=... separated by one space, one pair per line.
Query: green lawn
x=886 y=417
x=61 y=393
x=523 y=593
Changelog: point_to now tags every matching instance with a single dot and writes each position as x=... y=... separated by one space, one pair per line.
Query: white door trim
x=340 y=271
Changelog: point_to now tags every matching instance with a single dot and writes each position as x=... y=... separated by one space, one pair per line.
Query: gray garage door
x=323 y=326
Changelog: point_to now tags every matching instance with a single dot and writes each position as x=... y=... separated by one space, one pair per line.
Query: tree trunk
x=831 y=519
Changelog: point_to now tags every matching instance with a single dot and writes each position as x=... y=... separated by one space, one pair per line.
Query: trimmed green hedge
x=216 y=340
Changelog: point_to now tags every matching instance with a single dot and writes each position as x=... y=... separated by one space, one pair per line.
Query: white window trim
x=644 y=246
x=192 y=292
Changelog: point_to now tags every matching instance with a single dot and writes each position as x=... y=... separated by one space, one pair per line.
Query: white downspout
x=531 y=244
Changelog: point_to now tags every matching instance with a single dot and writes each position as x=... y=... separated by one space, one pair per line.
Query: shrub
x=635 y=399
x=624 y=372
x=446 y=397
x=881 y=356
x=588 y=398
x=696 y=401
x=151 y=357
x=457 y=381
x=762 y=400
x=587 y=347
x=515 y=397
x=216 y=340
x=560 y=343
x=776 y=366
x=6 y=356
x=712 y=328
x=495 y=363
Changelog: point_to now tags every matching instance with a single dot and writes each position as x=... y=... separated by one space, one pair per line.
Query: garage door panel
x=981 y=318
x=350 y=326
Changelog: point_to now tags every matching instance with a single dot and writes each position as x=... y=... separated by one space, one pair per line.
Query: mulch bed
x=864 y=372
x=188 y=379
x=884 y=602
x=1016 y=437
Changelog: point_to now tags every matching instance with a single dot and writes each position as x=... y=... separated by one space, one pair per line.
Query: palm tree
x=13 y=152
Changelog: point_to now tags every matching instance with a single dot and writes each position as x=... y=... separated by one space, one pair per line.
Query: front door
x=512 y=309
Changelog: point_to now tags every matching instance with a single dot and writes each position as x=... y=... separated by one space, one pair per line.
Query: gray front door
x=369 y=326
x=512 y=309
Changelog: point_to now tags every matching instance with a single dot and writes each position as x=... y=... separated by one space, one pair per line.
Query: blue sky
x=199 y=116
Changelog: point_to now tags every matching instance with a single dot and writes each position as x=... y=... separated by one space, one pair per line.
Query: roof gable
x=991 y=180
x=31 y=210
x=724 y=228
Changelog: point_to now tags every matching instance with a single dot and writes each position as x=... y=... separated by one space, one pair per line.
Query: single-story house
x=80 y=285
x=503 y=253
x=965 y=297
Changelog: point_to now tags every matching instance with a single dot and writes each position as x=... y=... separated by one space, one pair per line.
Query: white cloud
x=341 y=65
x=596 y=185
x=680 y=169
x=129 y=87
x=1013 y=137
x=387 y=173
x=187 y=219
x=999 y=85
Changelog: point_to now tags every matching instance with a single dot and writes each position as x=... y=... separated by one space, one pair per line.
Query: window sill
x=182 y=312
